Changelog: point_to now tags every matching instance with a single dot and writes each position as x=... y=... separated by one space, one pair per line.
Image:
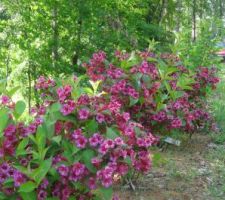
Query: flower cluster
x=44 y=83
x=6 y=172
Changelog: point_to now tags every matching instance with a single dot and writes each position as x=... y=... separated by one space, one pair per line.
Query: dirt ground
x=193 y=171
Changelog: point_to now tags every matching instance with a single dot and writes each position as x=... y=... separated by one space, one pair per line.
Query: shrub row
x=94 y=130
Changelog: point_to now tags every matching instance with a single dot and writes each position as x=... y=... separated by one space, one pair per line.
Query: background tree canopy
x=53 y=37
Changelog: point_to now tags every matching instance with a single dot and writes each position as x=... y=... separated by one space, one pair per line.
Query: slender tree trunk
x=179 y=7
x=162 y=9
x=201 y=9
x=76 y=53
x=35 y=81
x=29 y=85
x=221 y=9
x=55 y=46
x=7 y=67
x=194 y=19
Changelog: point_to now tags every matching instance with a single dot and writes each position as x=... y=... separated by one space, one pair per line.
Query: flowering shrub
x=157 y=90
x=75 y=147
x=87 y=135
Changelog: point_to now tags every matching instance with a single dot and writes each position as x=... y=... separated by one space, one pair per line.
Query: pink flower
x=76 y=134
x=140 y=142
x=63 y=170
x=58 y=127
x=95 y=140
x=10 y=130
x=77 y=172
x=42 y=195
x=81 y=142
x=64 y=92
x=119 y=141
x=100 y=118
x=83 y=100
x=19 y=178
x=103 y=149
x=176 y=123
x=126 y=116
x=92 y=183
x=68 y=107
x=109 y=143
x=4 y=99
x=96 y=161
x=105 y=175
x=122 y=169
x=83 y=114
x=44 y=83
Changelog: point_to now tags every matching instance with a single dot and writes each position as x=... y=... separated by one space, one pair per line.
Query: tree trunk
x=179 y=7
x=161 y=12
x=221 y=9
x=7 y=66
x=29 y=86
x=35 y=81
x=55 y=54
x=194 y=19
x=76 y=53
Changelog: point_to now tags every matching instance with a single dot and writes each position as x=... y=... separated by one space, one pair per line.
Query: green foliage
x=105 y=193
x=19 y=108
x=202 y=51
x=27 y=187
x=111 y=133
x=39 y=173
x=4 y=120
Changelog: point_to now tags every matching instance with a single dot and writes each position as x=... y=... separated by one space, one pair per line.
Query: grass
x=216 y=156
x=217 y=106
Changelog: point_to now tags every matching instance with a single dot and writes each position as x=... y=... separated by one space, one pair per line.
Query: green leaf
x=111 y=133
x=152 y=59
x=88 y=90
x=167 y=85
x=76 y=93
x=128 y=161
x=22 y=169
x=40 y=138
x=19 y=108
x=27 y=187
x=185 y=82
x=86 y=157
x=2 y=196
x=69 y=151
x=176 y=94
x=133 y=101
x=4 y=120
x=95 y=85
x=49 y=126
x=2 y=85
x=20 y=150
x=54 y=174
x=12 y=91
x=133 y=60
x=9 y=182
x=39 y=173
x=57 y=139
x=92 y=126
x=55 y=107
x=28 y=195
x=105 y=193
